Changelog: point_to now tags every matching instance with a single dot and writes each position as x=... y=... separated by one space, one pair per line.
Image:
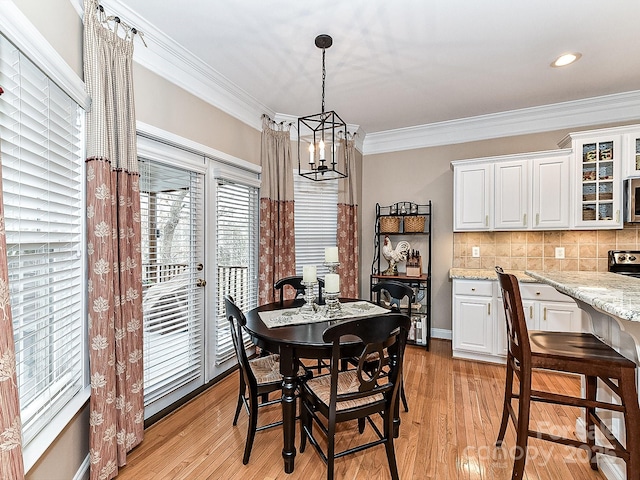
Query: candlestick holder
x=332 y=266
x=309 y=308
x=333 y=308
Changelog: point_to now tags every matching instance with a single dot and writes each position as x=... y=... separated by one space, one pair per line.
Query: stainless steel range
x=625 y=262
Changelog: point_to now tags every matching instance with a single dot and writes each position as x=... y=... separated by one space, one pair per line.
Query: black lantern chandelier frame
x=328 y=131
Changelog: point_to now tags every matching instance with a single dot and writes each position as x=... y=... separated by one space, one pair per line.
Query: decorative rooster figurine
x=393 y=256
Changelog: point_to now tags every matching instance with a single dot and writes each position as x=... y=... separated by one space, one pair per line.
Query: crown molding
x=619 y=107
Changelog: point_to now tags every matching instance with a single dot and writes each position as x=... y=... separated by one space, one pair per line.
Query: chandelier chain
x=324 y=76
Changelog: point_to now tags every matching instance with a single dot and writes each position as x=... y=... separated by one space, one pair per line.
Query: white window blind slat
x=40 y=127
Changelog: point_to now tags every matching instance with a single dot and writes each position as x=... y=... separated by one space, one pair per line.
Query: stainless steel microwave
x=632 y=200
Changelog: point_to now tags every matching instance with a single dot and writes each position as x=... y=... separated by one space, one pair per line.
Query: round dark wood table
x=292 y=343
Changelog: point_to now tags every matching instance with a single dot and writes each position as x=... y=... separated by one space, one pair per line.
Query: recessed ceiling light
x=566 y=59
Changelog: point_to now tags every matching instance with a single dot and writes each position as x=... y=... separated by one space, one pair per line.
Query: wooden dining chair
x=296 y=283
x=572 y=352
x=397 y=291
x=344 y=395
x=259 y=377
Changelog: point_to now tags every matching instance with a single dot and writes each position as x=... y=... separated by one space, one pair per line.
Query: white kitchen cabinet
x=479 y=325
x=528 y=191
x=511 y=195
x=472 y=186
x=597 y=165
x=559 y=317
x=551 y=195
x=473 y=319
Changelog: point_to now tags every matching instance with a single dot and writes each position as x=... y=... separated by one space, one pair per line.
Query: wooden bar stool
x=579 y=353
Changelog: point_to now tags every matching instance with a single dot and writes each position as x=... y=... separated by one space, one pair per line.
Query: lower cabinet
x=479 y=325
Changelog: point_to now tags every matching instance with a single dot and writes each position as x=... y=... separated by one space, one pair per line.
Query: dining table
x=281 y=328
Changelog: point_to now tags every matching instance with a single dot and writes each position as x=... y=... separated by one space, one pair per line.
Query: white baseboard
x=83 y=471
x=441 y=333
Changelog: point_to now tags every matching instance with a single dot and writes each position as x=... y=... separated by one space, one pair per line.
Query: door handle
x=531 y=311
x=201 y=282
x=486 y=220
x=524 y=219
x=488 y=309
x=544 y=316
x=537 y=219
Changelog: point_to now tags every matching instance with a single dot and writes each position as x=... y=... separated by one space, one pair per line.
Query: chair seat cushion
x=267 y=369
x=347 y=383
x=575 y=346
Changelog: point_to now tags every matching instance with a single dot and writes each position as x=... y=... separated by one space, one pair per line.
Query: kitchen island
x=613 y=303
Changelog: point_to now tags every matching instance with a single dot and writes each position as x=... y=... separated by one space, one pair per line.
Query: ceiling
x=408 y=62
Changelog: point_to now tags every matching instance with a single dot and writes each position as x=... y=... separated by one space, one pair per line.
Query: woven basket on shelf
x=414 y=224
x=389 y=224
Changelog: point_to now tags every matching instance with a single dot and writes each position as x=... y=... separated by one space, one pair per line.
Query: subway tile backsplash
x=584 y=250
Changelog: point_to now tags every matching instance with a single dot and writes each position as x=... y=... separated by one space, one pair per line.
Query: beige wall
x=163 y=105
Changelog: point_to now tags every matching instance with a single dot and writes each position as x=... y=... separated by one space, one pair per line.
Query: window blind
x=236 y=256
x=41 y=129
x=316 y=220
x=172 y=248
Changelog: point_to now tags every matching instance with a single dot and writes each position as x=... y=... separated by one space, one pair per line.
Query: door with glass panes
x=172 y=206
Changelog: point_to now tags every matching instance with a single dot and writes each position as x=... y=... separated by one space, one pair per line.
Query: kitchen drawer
x=473 y=287
x=539 y=291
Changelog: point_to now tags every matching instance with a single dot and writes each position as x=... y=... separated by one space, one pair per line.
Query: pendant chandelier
x=322 y=137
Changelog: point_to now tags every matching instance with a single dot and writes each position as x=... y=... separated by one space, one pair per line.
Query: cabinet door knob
x=473 y=289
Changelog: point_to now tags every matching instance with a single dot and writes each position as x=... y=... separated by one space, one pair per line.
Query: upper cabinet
x=516 y=192
x=512 y=203
x=631 y=152
x=472 y=185
x=597 y=158
x=551 y=194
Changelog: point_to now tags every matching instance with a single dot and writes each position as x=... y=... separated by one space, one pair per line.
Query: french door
x=172 y=215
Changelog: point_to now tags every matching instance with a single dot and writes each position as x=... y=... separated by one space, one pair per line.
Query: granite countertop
x=617 y=295
x=486 y=274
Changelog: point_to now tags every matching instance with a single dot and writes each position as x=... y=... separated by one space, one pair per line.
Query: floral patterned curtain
x=277 y=236
x=347 y=235
x=11 y=465
x=113 y=246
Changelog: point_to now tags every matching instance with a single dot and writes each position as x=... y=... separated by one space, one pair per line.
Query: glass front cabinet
x=598 y=178
x=631 y=146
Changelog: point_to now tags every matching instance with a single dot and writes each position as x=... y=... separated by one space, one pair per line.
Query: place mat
x=292 y=316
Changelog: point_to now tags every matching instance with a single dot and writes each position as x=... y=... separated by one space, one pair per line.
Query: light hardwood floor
x=449 y=433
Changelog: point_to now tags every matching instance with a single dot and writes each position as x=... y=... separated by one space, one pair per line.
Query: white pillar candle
x=309 y=274
x=331 y=254
x=332 y=283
